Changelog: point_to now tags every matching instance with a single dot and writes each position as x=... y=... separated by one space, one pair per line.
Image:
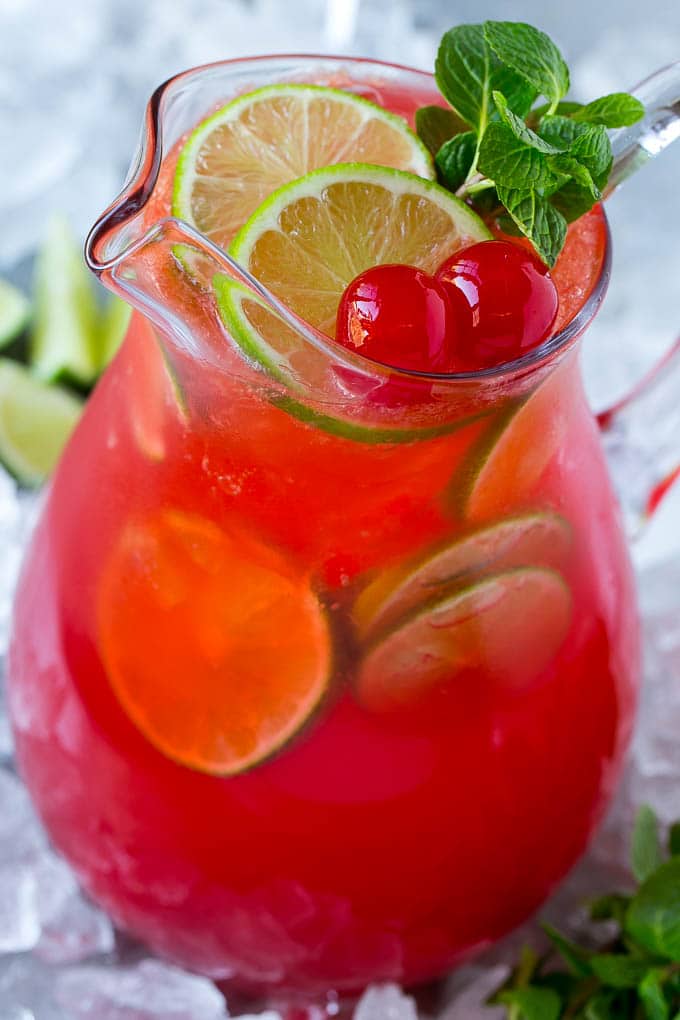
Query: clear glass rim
x=142 y=178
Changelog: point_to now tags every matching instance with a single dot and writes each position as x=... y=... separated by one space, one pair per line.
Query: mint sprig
x=635 y=973
x=537 y=167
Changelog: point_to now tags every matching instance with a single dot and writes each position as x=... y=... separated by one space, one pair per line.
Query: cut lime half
x=237 y=157
x=15 y=311
x=540 y=539
x=504 y=630
x=36 y=420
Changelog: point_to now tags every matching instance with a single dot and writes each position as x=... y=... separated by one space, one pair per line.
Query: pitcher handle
x=641 y=438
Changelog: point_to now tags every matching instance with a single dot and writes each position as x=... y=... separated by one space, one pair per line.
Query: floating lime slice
x=240 y=155
x=505 y=629
x=63 y=342
x=541 y=539
x=35 y=422
x=237 y=652
x=15 y=311
x=505 y=476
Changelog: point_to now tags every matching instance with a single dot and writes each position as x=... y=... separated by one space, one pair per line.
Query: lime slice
x=113 y=326
x=260 y=141
x=35 y=422
x=306 y=243
x=313 y=236
x=237 y=652
x=532 y=540
x=505 y=629
x=15 y=312
x=64 y=332
x=505 y=476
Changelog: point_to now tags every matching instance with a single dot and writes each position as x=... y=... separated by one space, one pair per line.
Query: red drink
x=451 y=605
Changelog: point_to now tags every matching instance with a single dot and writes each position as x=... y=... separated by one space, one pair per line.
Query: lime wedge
x=15 y=311
x=35 y=422
x=113 y=326
x=261 y=141
x=63 y=342
x=504 y=630
x=541 y=539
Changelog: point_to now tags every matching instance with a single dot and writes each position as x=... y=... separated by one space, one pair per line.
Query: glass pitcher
x=322 y=672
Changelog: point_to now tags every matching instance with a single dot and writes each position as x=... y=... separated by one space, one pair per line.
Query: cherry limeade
x=387 y=837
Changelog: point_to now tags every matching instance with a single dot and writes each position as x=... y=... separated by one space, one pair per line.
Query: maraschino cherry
x=488 y=304
x=402 y=317
x=512 y=298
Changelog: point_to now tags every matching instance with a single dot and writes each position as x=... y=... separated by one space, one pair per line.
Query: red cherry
x=402 y=317
x=512 y=298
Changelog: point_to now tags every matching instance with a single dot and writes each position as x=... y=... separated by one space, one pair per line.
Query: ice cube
x=6 y=742
x=21 y=837
x=19 y=919
x=150 y=990
x=72 y=929
x=269 y=1014
x=26 y=990
x=385 y=1002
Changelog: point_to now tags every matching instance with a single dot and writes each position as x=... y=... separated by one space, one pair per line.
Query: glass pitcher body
x=335 y=665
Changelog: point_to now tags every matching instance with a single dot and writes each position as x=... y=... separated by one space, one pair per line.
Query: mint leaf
x=533 y=1003
x=593 y=149
x=674 y=839
x=609 y=908
x=435 y=125
x=544 y=225
x=653 y=917
x=455 y=158
x=519 y=128
x=619 y=970
x=645 y=851
x=551 y=164
x=652 y=997
x=603 y=1006
x=511 y=163
x=613 y=111
x=531 y=54
x=559 y=131
x=467 y=72
x=580 y=174
x=566 y=108
x=576 y=958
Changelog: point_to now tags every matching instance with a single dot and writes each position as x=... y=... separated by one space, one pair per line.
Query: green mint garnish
x=535 y=167
x=634 y=974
